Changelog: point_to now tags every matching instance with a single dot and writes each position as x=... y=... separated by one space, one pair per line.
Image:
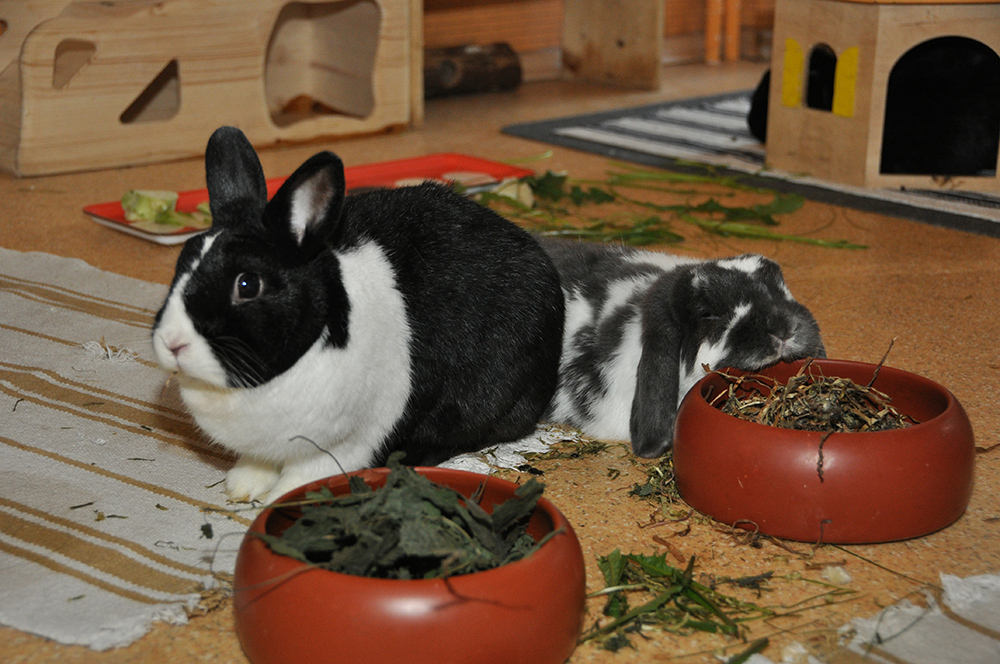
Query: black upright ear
x=654 y=406
x=308 y=205
x=237 y=189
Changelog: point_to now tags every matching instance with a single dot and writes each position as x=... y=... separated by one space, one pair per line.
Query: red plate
x=445 y=167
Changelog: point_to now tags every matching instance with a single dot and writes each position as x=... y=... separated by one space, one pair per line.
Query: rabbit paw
x=310 y=469
x=250 y=480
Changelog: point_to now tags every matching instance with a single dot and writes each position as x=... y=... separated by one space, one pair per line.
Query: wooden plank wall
x=688 y=16
x=533 y=28
x=527 y=25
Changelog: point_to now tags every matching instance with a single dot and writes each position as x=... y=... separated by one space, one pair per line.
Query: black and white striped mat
x=685 y=135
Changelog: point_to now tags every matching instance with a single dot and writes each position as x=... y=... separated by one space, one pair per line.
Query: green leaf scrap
x=675 y=602
x=639 y=227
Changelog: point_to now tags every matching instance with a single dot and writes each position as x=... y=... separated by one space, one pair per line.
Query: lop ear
x=236 y=187
x=308 y=205
x=654 y=406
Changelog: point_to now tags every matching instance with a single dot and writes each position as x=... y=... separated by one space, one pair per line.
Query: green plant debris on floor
x=659 y=485
x=671 y=600
x=568 y=449
x=561 y=206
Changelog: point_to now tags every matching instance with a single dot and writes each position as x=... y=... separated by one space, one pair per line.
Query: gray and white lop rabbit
x=640 y=325
x=317 y=326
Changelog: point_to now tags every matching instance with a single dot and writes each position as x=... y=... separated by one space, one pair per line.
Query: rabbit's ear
x=654 y=406
x=236 y=187
x=308 y=205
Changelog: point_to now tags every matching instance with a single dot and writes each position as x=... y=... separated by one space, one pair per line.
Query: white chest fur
x=345 y=400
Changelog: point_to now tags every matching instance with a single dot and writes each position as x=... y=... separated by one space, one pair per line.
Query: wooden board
x=526 y=25
x=614 y=42
x=117 y=83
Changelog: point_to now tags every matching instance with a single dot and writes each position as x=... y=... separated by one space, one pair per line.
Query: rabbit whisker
x=240 y=361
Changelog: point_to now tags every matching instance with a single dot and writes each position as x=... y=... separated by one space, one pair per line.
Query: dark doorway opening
x=942 y=111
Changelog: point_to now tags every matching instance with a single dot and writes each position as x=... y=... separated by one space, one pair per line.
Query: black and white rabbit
x=640 y=325
x=409 y=319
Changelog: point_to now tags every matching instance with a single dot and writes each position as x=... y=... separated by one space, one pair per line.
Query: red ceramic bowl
x=527 y=611
x=876 y=487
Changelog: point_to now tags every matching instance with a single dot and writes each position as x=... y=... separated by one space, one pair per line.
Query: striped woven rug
x=686 y=135
x=106 y=495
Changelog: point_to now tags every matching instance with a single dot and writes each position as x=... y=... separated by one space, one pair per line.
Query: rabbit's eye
x=247 y=286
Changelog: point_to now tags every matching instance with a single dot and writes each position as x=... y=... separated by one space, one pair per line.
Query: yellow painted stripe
x=845 y=82
x=792 y=74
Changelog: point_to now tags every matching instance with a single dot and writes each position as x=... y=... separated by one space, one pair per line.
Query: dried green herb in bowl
x=411 y=528
x=530 y=610
x=810 y=401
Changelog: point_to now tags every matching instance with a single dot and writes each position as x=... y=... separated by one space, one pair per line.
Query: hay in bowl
x=834 y=487
x=529 y=610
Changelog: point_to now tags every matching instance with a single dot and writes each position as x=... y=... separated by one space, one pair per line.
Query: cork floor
x=934 y=290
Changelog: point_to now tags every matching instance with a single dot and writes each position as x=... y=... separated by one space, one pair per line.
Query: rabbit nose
x=173 y=343
x=784 y=347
